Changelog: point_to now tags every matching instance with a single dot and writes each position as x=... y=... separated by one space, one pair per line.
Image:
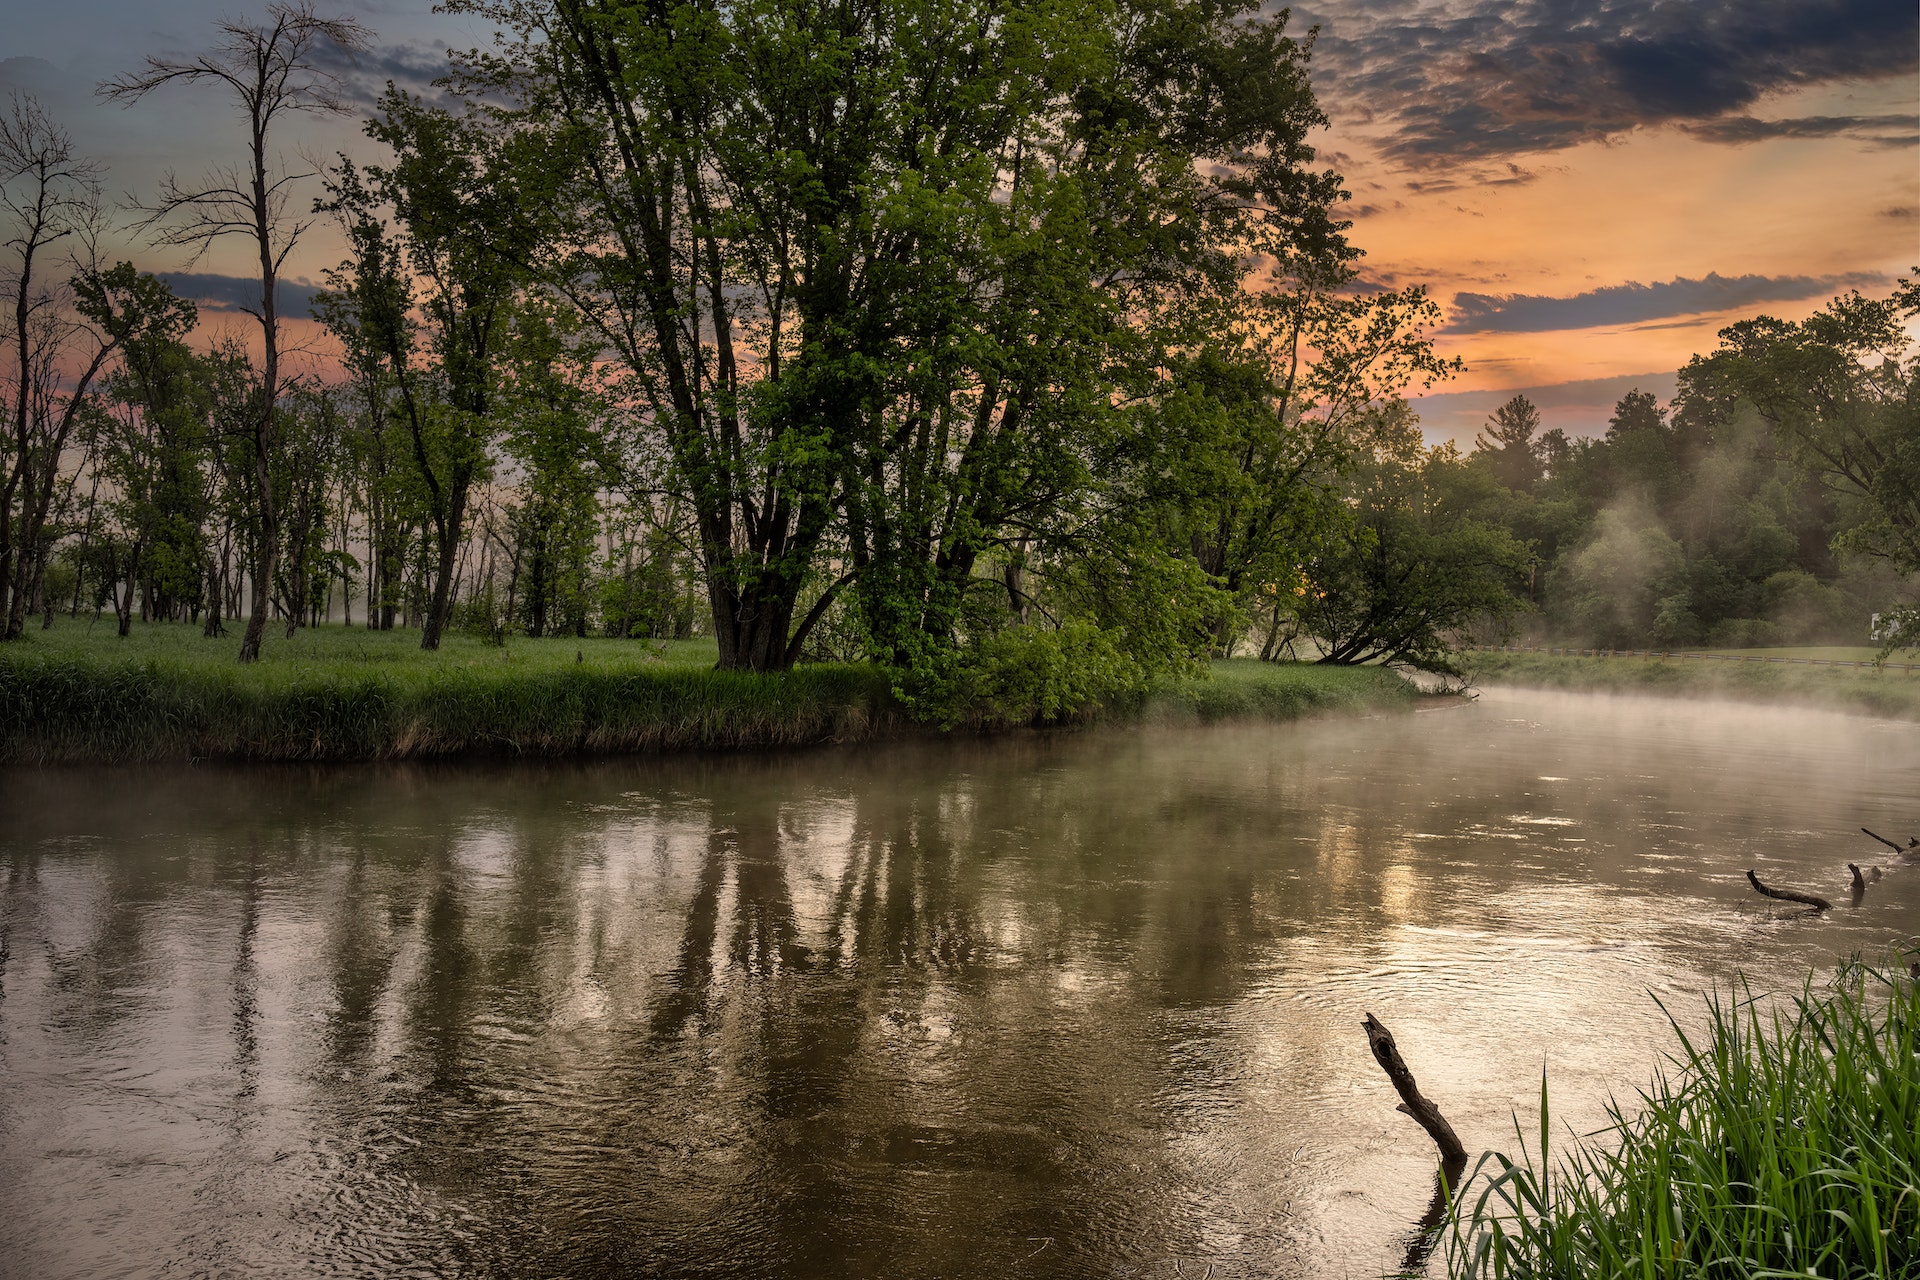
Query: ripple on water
x=1075 y=1005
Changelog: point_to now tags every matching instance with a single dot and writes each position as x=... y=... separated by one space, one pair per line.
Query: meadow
x=1886 y=691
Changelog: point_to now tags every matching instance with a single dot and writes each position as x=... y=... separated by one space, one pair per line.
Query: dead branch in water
x=1788 y=895
x=1412 y=1101
x=1905 y=850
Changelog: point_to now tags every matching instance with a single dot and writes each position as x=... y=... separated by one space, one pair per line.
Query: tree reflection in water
x=1074 y=1006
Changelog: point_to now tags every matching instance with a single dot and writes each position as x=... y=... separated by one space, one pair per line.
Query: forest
x=1022 y=344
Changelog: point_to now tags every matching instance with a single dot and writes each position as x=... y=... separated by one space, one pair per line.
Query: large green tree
x=880 y=272
x=427 y=301
x=1414 y=567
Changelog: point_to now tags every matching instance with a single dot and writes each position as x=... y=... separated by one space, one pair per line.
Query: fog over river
x=1054 y=1005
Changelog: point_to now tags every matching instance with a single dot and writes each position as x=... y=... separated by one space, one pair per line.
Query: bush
x=1022 y=676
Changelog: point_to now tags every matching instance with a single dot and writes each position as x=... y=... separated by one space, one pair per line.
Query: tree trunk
x=436 y=619
x=263 y=557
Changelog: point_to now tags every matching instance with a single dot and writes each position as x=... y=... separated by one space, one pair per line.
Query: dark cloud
x=365 y=76
x=292 y=298
x=1478 y=80
x=1632 y=304
x=1886 y=131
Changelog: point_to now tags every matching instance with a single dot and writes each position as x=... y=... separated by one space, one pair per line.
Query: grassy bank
x=335 y=693
x=1783 y=1142
x=1879 y=692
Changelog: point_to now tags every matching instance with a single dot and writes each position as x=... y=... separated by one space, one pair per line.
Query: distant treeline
x=1004 y=346
x=1776 y=500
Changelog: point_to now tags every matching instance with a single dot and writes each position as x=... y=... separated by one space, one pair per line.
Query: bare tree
x=272 y=70
x=48 y=194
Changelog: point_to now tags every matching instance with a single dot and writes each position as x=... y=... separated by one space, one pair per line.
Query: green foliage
x=1247 y=449
x=1412 y=569
x=878 y=287
x=1843 y=401
x=1785 y=1141
x=1771 y=503
x=1023 y=675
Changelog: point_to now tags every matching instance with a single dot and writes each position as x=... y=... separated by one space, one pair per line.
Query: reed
x=1784 y=1141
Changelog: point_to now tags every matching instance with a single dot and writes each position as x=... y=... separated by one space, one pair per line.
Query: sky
x=1591 y=190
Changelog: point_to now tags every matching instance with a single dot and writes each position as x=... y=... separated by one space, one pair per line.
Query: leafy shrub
x=1021 y=676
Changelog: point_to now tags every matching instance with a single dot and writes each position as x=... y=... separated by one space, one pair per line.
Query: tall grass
x=1785 y=1141
x=333 y=693
x=66 y=709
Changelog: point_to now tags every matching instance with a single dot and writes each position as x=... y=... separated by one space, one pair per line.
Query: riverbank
x=1876 y=691
x=337 y=693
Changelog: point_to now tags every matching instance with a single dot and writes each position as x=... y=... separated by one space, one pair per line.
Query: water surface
x=1076 y=1005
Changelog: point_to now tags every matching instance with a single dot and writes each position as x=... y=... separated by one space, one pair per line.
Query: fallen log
x=1412 y=1101
x=1788 y=895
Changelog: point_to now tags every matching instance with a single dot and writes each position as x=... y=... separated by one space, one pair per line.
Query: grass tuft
x=1783 y=1142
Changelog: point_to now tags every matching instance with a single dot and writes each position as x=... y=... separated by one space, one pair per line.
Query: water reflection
x=1073 y=1006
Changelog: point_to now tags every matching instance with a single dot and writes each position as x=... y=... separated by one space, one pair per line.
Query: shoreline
x=62 y=707
x=1891 y=693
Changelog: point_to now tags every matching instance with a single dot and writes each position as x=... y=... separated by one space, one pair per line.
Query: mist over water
x=1067 y=1005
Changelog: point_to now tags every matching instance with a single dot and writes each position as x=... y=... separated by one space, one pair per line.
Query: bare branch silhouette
x=271 y=71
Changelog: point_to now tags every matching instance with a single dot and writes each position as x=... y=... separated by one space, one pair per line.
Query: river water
x=1069 y=1005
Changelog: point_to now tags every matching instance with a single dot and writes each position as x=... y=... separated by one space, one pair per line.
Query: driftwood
x=1906 y=850
x=1789 y=895
x=1412 y=1101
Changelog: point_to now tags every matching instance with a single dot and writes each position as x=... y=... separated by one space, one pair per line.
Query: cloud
x=1885 y=131
x=409 y=65
x=1633 y=303
x=293 y=299
x=1485 y=80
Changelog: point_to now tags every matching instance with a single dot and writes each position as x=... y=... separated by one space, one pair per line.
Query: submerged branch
x=1788 y=895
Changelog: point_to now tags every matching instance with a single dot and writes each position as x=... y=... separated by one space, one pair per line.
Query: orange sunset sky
x=1590 y=190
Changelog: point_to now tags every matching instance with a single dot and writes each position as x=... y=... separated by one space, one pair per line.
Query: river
x=1056 y=1005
